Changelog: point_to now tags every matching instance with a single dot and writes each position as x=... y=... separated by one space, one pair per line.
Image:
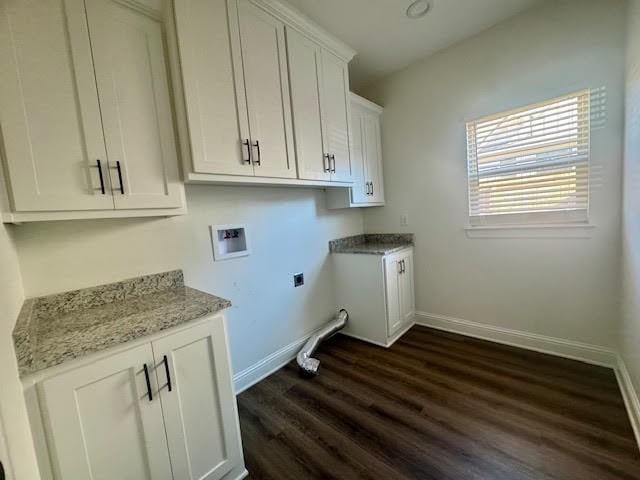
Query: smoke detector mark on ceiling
x=418 y=9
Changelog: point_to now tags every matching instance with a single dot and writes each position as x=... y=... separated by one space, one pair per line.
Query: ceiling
x=387 y=41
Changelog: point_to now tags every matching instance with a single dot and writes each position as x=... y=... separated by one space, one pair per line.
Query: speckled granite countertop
x=55 y=329
x=372 y=243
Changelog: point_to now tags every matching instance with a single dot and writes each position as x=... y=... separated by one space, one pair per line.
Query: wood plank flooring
x=438 y=406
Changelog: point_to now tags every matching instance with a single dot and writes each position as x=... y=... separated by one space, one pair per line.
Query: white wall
x=564 y=288
x=289 y=231
x=14 y=424
x=630 y=331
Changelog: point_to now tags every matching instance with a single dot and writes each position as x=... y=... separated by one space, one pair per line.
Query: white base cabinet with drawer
x=163 y=408
x=378 y=292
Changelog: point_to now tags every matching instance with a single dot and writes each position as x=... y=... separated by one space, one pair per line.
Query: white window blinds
x=531 y=164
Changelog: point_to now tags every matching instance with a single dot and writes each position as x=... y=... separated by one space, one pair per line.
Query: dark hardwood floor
x=438 y=406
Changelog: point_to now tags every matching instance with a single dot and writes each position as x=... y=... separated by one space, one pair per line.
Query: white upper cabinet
x=319 y=86
x=83 y=89
x=360 y=189
x=256 y=107
x=366 y=158
x=373 y=157
x=215 y=101
x=133 y=90
x=335 y=115
x=305 y=73
x=49 y=112
x=267 y=88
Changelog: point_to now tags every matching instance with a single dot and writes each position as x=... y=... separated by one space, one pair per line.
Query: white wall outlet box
x=404 y=220
x=229 y=241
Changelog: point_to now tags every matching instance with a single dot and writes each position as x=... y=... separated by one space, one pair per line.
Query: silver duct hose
x=309 y=365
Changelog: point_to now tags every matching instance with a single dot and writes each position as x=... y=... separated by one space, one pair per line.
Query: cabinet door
x=51 y=127
x=304 y=63
x=359 y=191
x=392 y=282
x=101 y=423
x=200 y=409
x=133 y=89
x=373 y=157
x=264 y=61
x=407 y=295
x=213 y=82
x=335 y=114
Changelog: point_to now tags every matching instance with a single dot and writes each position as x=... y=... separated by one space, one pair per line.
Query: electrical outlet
x=298 y=279
x=404 y=220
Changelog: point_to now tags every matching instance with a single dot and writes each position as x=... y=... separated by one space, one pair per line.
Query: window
x=531 y=165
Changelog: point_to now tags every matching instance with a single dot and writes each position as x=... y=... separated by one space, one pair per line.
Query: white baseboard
x=583 y=352
x=631 y=399
x=268 y=365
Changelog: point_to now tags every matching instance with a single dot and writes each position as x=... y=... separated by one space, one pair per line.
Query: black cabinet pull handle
x=371 y=183
x=326 y=167
x=333 y=160
x=247 y=144
x=119 y=168
x=257 y=145
x=166 y=369
x=99 y=165
x=146 y=376
x=368 y=191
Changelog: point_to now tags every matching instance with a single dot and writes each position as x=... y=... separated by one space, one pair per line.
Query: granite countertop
x=372 y=243
x=55 y=329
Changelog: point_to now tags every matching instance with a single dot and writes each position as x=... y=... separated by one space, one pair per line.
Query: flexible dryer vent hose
x=311 y=366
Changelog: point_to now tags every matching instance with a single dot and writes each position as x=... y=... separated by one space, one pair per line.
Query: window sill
x=550 y=230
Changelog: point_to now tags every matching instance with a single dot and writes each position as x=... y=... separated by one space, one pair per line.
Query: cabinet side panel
x=359 y=288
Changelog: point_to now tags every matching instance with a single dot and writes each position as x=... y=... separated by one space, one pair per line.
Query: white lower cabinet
x=160 y=410
x=101 y=422
x=378 y=292
x=399 y=289
x=198 y=401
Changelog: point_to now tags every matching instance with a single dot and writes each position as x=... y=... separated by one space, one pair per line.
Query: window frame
x=554 y=216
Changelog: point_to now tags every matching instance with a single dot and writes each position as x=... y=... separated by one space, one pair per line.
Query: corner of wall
x=18 y=452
